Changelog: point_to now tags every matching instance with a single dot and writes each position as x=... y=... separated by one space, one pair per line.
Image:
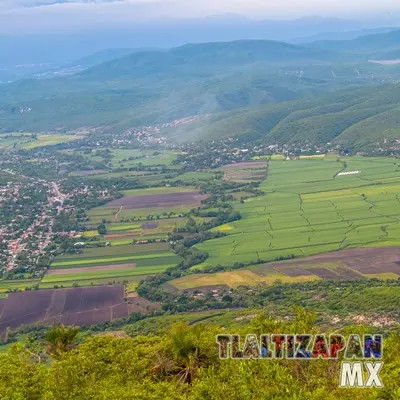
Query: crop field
x=361 y=263
x=151 y=203
x=130 y=158
x=308 y=208
x=49 y=140
x=243 y=172
x=119 y=233
x=77 y=306
x=32 y=140
x=159 y=201
x=9 y=140
x=196 y=177
x=233 y=279
x=107 y=264
x=19 y=284
x=91 y=172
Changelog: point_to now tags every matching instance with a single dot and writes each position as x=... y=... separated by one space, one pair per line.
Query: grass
x=158 y=190
x=49 y=140
x=110 y=260
x=112 y=251
x=131 y=286
x=19 y=284
x=148 y=158
x=113 y=274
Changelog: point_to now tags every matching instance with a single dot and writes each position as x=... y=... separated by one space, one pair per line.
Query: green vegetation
x=180 y=363
x=359 y=119
x=152 y=87
x=49 y=140
x=99 y=265
x=309 y=208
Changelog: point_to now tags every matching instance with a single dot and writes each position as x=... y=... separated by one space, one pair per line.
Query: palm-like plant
x=189 y=348
x=61 y=339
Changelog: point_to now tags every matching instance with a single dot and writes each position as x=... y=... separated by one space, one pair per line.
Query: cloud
x=56 y=15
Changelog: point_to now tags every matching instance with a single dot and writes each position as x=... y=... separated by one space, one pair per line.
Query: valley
x=183 y=195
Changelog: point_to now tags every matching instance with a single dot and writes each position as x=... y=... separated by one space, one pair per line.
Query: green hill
x=241 y=84
x=358 y=118
x=370 y=45
x=157 y=86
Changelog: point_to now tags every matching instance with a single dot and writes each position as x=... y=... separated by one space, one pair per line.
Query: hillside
x=358 y=118
x=149 y=87
x=152 y=87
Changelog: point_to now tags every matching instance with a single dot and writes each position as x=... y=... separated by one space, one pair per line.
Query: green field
x=309 y=209
x=114 y=274
x=49 y=140
x=149 y=259
x=124 y=226
x=11 y=139
x=147 y=158
x=158 y=190
x=19 y=284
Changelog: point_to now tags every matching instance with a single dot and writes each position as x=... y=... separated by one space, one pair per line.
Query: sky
x=56 y=15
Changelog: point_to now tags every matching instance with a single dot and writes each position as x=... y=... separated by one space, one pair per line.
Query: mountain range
x=240 y=83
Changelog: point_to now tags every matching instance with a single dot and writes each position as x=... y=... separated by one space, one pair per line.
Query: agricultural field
x=17 y=284
x=148 y=167
x=145 y=204
x=49 y=140
x=14 y=140
x=194 y=178
x=141 y=217
x=361 y=263
x=76 y=306
x=245 y=172
x=310 y=207
x=147 y=158
x=123 y=263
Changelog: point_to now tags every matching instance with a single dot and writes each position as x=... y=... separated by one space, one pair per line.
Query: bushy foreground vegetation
x=181 y=364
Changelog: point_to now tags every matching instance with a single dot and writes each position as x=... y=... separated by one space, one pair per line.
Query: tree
x=102 y=229
x=61 y=339
x=189 y=348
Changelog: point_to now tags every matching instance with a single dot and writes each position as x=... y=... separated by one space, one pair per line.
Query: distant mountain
x=62 y=48
x=151 y=87
x=101 y=57
x=207 y=58
x=350 y=35
x=369 y=45
x=157 y=86
x=21 y=71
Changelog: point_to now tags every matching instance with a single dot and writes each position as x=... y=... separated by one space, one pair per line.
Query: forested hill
x=152 y=87
x=377 y=45
x=360 y=119
x=208 y=56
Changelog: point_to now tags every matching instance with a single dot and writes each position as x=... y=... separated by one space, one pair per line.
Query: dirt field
x=245 y=171
x=246 y=165
x=67 y=271
x=361 y=263
x=89 y=172
x=346 y=264
x=159 y=200
x=77 y=306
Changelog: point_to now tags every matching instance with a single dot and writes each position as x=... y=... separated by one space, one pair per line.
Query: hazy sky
x=44 y=15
